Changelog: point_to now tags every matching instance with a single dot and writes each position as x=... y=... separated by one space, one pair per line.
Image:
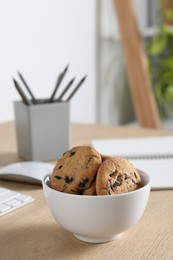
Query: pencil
x=27 y=87
x=60 y=78
x=76 y=88
x=65 y=90
x=21 y=93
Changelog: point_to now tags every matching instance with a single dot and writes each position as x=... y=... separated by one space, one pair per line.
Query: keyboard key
x=9 y=195
x=11 y=200
x=24 y=198
x=4 y=207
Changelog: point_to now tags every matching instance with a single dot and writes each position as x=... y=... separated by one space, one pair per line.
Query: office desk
x=32 y=233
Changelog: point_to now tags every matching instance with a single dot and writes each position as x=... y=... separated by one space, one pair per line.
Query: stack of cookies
x=83 y=170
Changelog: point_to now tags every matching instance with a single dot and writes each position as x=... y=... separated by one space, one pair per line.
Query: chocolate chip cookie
x=75 y=171
x=116 y=175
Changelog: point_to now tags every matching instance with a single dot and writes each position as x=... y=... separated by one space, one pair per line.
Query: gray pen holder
x=42 y=130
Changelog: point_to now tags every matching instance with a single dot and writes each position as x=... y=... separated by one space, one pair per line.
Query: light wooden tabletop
x=31 y=232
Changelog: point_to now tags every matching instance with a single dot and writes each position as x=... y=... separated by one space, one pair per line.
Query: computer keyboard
x=11 y=200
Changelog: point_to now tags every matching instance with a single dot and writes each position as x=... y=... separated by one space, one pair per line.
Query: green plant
x=160 y=58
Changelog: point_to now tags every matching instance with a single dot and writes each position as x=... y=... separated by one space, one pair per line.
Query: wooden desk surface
x=32 y=233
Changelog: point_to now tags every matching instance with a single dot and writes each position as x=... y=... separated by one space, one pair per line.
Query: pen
x=76 y=88
x=22 y=94
x=27 y=87
x=65 y=90
x=60 y=78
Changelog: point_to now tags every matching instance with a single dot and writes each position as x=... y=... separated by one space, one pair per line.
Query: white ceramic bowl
x=98 y=219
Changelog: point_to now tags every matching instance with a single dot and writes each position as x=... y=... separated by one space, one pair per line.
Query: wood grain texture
x=140 y=87
x=31 y=232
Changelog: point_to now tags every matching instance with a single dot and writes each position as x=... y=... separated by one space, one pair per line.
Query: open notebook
x=153 y=155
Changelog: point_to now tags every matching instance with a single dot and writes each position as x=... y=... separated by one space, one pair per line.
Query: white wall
x=39 y=38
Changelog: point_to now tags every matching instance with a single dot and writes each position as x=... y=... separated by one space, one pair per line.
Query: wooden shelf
x=137 y=69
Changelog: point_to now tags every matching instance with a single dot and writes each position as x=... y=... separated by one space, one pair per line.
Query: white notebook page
x=138 y=147
x=153 y=155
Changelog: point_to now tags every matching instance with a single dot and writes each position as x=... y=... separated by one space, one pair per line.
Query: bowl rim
x=141 y=172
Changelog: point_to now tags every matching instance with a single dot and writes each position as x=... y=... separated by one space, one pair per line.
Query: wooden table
x=32 y=233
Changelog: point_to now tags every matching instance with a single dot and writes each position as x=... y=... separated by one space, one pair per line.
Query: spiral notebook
x=151 y=154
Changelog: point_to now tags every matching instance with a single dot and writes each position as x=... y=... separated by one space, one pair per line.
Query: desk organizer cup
x=42 y=130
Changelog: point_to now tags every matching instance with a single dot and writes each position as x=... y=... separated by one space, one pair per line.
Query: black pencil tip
x=14 y=81
x=73 y=79
x=66 y=68
x=84 y=78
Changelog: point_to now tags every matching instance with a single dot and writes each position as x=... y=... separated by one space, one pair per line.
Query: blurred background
x=39 y=38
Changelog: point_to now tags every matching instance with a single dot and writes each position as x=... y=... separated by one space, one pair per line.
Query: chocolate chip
x=69 y=180
x=83 y=182
x=58 y=177
x=135 y=175
x=115 y=184
x=60 y=167
x=88 y=162
x=111 y=185
x=72 y=153
x=112 y=174
x=126 y=176
x=118 y=180
x=135 y=182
